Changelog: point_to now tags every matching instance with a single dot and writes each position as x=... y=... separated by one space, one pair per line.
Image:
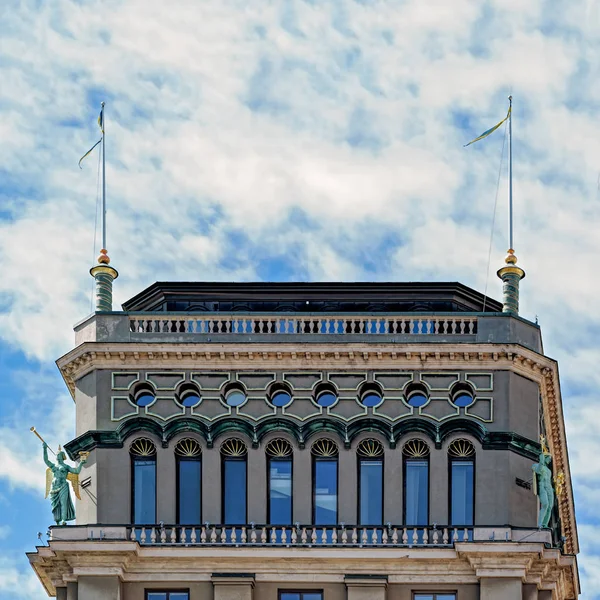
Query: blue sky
x=290 y=140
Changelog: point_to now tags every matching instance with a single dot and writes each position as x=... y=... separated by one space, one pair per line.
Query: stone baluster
x=354 y=536
x=273 y=536
x=132 y=535
x=415 y=536
x=425 y=536
x=294 y=536
x=203 y=535
x=304 y=537
x=193 y=536
x=445 y=536
x=344 y=536
x=455 y=535
x=263 y=536
x=435 y=535
x=143 y=536
x=384 y=536
x=163 y=535
x=374 y=538
x=283 y=536
x=213 y=535
x=153 y=535
x=233 y=535
x=223 y=536
x=404 y=536
x=313 y=536
x=183 y=535
x=465 y=535
x=173 y=535
x=364 y=539
x=253 y=536
x=244 y=536
x=395 y=536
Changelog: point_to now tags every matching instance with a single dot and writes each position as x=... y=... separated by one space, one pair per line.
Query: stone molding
x=466 y=563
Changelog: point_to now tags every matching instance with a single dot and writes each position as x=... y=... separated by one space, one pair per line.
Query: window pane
x=445 y=597
x=416 y=492
x=423 y=597
x=462 y=493
x=190 y=482
x=157 y=596
x=312 y=596
x=144 y=491
x=289 y=596
x=234 y=490
x=280 y=490
x=179 y=596
x=325 y=492
x=371 y=492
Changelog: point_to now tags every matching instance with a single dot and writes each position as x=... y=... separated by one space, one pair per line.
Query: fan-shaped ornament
x=324 y=449
x=143 y=447
x=279 y=448
x=234 y=448
x=415 y=449
x=188 y=448
x=370 y=448
x=461 y=448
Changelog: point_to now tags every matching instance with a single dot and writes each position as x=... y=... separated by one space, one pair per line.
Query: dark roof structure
x=192 y=297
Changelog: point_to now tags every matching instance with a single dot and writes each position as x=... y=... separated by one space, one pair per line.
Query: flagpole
x=103 y=179
x=510 y=178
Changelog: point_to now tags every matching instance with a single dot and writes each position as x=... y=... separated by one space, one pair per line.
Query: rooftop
x=359 y=297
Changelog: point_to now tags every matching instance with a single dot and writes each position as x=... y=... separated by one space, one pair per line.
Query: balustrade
x=299 y=535
x=303 y=325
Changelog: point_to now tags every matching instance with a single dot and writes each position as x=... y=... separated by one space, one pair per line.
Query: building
x=303 y=441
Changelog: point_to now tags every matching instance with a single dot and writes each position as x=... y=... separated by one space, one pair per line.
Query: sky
x=291 y=140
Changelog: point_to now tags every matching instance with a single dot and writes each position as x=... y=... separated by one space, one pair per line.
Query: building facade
x=312 y=442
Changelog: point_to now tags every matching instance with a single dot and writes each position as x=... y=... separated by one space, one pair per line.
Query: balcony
x=302 y=536
x=218 y=327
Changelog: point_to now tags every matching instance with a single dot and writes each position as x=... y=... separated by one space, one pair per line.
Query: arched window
x=370 y=482
x=415 y=455
x=279 y=486
x=234 y=482
x=143 y=482
x=325 y=482
x=461 y=457
x=189 y=482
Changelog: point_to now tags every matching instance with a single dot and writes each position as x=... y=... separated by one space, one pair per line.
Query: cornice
x=467 y=563
x=90 y=356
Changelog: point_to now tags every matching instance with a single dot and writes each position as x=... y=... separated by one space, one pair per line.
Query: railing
x=298 y=535
x=303 y=325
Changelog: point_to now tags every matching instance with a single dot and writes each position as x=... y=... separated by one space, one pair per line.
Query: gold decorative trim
x=188 y=448
x=234 y=448
x=415 y=448
x=370 y=448
x=461 y=448
x=142 y=447
x=324 y=448
x=279 y=448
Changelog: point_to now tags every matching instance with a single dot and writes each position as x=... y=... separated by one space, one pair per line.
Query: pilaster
x=500 y=588
x=366 y=588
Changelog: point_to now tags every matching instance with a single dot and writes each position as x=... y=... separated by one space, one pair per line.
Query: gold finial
x=103 y=259
x=511 y=258
x=544 y=445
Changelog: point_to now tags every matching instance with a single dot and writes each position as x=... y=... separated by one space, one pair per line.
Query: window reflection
x=371 y=492
x=416 y=491
x=234 y=491
x=462 y=496
x=280 y=491
x=325 y=491
x=189 y=475
x=144 y=490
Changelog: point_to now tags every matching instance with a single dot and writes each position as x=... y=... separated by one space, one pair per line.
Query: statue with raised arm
x=542 y=485
x=58 y=477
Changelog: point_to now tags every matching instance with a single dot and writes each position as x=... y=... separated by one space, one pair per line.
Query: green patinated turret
x=104 y=275
x=511 y=275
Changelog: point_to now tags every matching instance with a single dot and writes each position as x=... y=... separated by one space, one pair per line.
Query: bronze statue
x=543 y=485
x=58 y=477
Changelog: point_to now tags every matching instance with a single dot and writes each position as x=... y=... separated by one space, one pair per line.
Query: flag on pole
x=101 y=125
x=489 y=131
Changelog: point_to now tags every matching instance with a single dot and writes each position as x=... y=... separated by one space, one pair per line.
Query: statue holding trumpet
x=58 y=476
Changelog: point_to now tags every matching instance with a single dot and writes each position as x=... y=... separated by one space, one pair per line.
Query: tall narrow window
x=143 y=484
x=189 y=482
x=234 y=482
x=370 y=481
x=279 y=465
x=416 y=482
x=461 y=454
x=325 y=482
